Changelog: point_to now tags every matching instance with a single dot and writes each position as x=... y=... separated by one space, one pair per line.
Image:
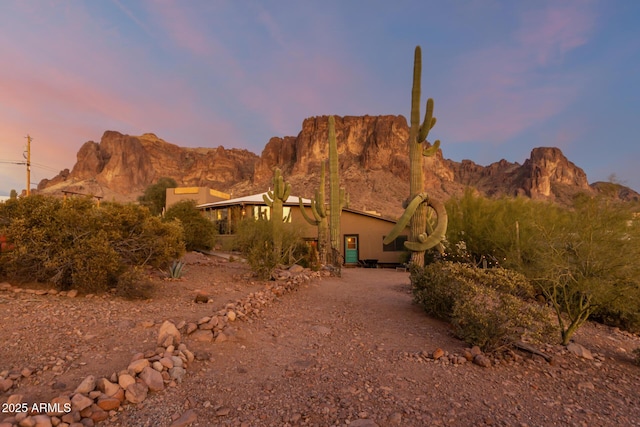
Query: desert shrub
x=587 y=263
x=254 y=239
x=198 y=231
x=499 y=231
x=491 y=308
x=134 y=284
x=155 y=196
x=75 y=244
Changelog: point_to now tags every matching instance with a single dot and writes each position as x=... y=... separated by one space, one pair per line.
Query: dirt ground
x=352 y=351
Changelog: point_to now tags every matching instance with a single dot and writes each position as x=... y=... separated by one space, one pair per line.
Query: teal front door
x=351 y=249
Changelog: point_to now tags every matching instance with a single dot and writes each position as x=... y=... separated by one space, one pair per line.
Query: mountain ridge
x=374 y=167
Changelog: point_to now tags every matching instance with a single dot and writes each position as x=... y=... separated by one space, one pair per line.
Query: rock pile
x=217 y=327
x=95 y=400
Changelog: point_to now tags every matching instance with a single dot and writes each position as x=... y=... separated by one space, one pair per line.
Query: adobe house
x=199 y=194
x=361 y=232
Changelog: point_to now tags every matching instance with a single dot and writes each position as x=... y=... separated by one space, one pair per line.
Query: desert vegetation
x=76 y=244
x=581 y=262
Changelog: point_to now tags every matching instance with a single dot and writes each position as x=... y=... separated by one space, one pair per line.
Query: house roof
x=254 y=199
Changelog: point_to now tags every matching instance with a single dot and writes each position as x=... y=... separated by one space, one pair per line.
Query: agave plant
x=176 y=270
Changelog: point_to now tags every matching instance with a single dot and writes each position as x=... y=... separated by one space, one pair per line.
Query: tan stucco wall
x=200 y=194
x=371 y=232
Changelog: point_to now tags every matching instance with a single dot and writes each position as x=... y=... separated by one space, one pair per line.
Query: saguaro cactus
x=422 y=236
x=320 y=220
x=275 y=199
x=338 y=197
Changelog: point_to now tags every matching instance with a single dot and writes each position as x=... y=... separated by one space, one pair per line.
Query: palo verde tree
x=587 y=260
x=155 y=195
x=319 y=211
x=423 y=236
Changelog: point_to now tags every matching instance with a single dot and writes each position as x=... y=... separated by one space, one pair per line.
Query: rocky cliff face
x=122 y=166
x=373 y=161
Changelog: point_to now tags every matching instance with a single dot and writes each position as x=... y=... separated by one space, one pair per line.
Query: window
x=396 y=246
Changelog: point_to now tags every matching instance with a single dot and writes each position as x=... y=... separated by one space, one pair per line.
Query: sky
x=506 y=75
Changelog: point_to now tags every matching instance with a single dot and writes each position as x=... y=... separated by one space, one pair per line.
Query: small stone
x=231 y=315
x=191 y=328
x=125 y=380
x=146 y=324
x=80 y=402
x=201 y=298
x=579 y=351
x=475 y=350
x=136 y=392
x=107 y=387
x=221 y=337
x=26 y=372
x=42 y=420
x=177 y=373
x=87 y=385
x=204 y=320
x=168 y=334
x=223 y=412
x=177 y=361
x=137 y=366
x=438 y=353
x=152 y=378
x=98 y=414
x=482 y=360
x=189 y=355
x=72 y=293
x=5 y=385
x=59 y=403
x=296 y=269
x=157 y=366
x=108 y=403
x=189 y=417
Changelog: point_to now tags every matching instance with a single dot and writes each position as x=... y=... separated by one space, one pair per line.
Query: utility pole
x=27 y=156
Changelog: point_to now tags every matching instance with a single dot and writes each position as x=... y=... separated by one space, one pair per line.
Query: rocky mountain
x=373 y=160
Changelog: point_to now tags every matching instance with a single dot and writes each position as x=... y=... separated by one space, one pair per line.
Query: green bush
x=491 y=308
x=155 y=196
x=587 y=263
x=198 y=231
x=254 y=239
x=75 y=244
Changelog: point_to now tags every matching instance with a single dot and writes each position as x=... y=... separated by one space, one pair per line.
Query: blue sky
x=506 y=76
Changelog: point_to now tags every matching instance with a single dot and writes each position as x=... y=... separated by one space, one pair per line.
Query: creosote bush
x=198 y=231
x=75 y=244
x=491 y=308
x=254 y=239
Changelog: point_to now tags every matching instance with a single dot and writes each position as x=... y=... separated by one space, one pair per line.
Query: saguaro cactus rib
x=319 y=212
x=416 y=213
x=338 y=199
x=275 y=199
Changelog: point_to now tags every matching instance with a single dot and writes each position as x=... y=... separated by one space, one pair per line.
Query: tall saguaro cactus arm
x=319 y=212
x=275 y=199
x=416 y=213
